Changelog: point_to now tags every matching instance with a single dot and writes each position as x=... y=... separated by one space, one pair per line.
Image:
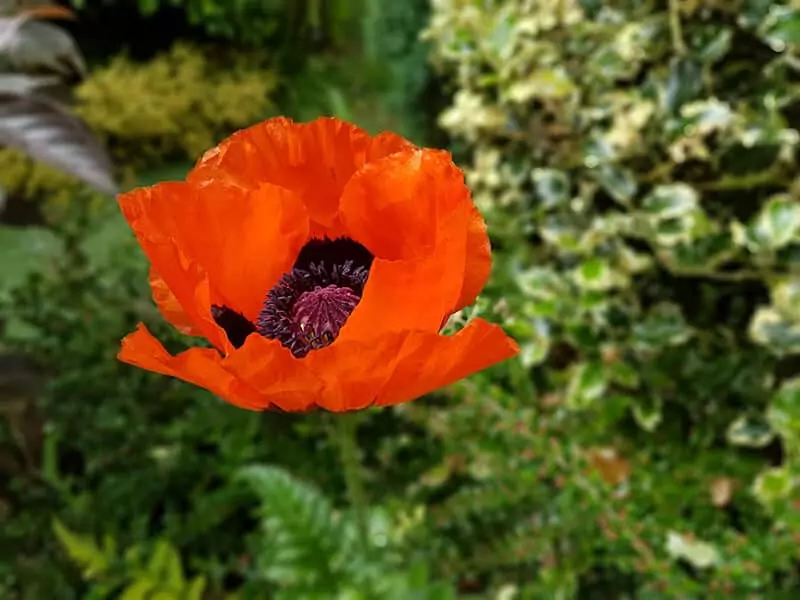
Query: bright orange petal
x=258 y=376
x=429 y=361
x=400 y=366
x=353 y=373
x=478 y=265
x=243 y=240
x=393 y=206
x=315 y=160
x=153 y=216
x=412 y=294
x=271 y=369
x=413 y=211
x=200 y=366
x=169 y=307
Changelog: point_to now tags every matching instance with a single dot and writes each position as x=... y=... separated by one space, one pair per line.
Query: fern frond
x=304 y=534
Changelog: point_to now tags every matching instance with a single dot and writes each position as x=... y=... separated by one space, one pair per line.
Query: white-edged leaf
x=32 y=46
x=9 y=31
x=51 y=135
x=19 y=83
x=698 y=553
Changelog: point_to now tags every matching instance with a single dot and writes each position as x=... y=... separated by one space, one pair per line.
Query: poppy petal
x=413 y=211
x=403 y=365
x=200 y=366
x=154 y=216
x=243 y=239
x=429 y=361
x=412 y=294
x=268 y=367
x=393 y=206
x=478 y=265
x=169 y=307
x=315 y=160
x=259 y=376
x=354 y=372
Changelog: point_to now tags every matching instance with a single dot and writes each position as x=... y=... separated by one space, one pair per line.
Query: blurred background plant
x=637 y=165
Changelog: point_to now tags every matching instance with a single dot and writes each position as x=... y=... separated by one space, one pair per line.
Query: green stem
x=345 y=427
x=676 y=28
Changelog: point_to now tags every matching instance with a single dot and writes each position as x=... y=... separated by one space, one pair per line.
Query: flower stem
x=345 y=427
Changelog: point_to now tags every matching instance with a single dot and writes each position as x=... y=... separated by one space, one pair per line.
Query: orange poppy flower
x=320 y=263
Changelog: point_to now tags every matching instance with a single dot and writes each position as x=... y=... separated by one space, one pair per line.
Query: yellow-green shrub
x=20 y=177
x=175 y=106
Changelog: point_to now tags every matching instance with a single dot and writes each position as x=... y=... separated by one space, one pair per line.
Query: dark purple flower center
x=311 y=303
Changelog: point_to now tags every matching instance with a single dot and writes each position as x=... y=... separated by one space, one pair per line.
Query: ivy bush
x=637 y=163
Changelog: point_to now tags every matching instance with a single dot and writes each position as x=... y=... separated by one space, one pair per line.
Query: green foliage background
x=637 y=166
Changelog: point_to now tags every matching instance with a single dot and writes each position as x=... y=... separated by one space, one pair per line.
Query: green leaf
x=501 y=36
x=698 y=553
x=304 y=538
x=560 y=232
x=704 y=117
x=595 y=274
x=165 y=566
x=785 y=294
x=753 y=12
x=623 y=374
x=545 y=84
x=701 y=254
x=536 y=336
x=148 y=7
x=552 y=187
x=609 y=64
x=771 y=329
x=670 y=201
x=664 y=326
x=777 y=224
x=543 y=284
x=83 y=550
x=773 y=485
x=685 y=82
x=587 y=384
x=782 y=28
x=750 y=432
x=196 y=589
x=141 y=589
x=715 y=45
x=783 y=413
x=620 y=183
x=647 y=412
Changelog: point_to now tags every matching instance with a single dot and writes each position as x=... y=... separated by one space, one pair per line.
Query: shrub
x=22 y=177
x=637 y=165
x=175 y=106
x=113 y=451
